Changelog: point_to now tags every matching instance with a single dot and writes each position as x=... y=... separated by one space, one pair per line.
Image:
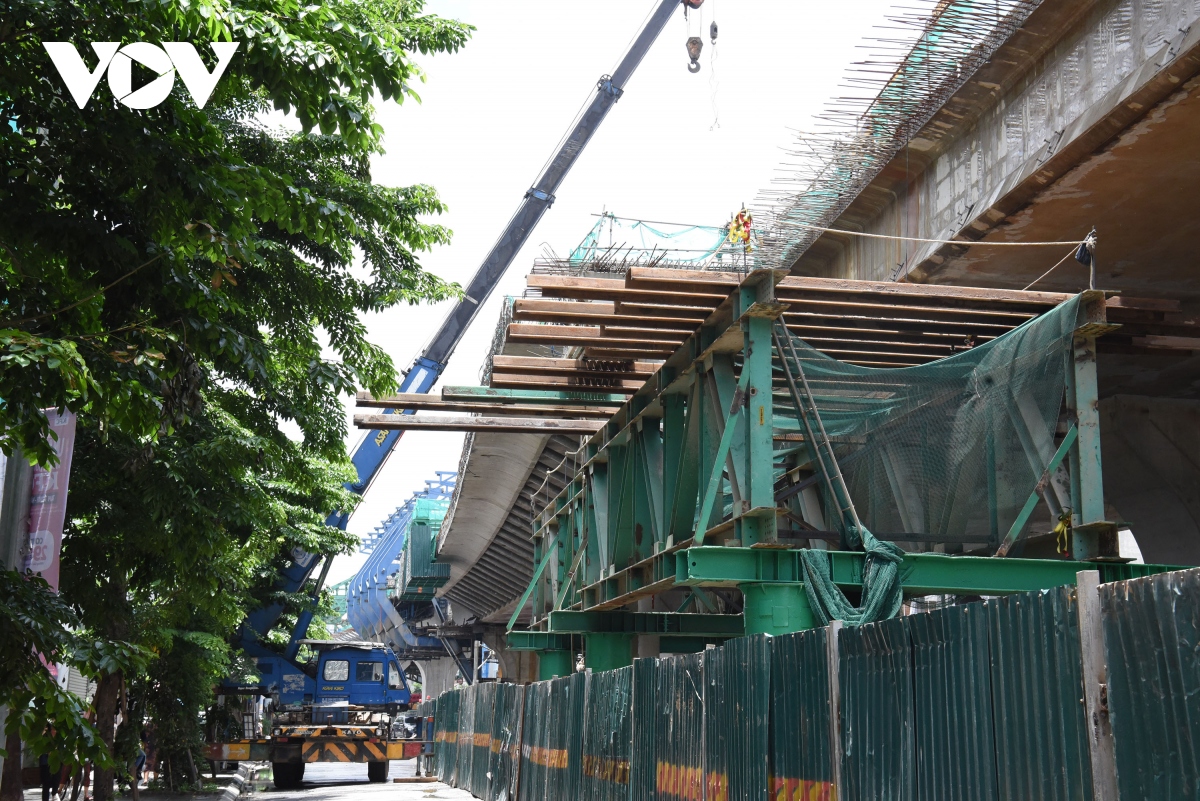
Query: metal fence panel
x=679 y=728
x=445 y=747
x=576 y=696
x=506 y=742
x=716 y=728
x=748 y=676
x=606 y=736
x=643 y=758
x=1152 y=640
x=466 y=737
x=876 y=701
x=952 y=701
x=801 y=759
x=534 y=754
x=1037 y=689
x=481 y=754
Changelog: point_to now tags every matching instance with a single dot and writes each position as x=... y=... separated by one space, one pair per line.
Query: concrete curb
x=247 y=772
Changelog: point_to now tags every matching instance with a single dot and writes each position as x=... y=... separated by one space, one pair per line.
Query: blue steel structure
x=379 y=615
x=373 y=451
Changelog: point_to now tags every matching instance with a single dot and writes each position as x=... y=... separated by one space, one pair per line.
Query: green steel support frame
x=678 y=490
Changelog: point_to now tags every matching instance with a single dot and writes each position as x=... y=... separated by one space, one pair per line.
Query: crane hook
x=712 y=31
x=694 y=46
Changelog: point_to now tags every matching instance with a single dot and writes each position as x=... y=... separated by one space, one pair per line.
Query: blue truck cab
x=358 y=674
x=361 y=674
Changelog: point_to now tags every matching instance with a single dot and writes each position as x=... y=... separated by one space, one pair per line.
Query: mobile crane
x=283 y=675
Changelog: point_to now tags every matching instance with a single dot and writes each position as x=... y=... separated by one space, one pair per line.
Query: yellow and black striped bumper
x=321 y=749
x=318 y=749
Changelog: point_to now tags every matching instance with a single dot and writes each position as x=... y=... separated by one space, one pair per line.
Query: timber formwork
x=641 y=515
x=621 y=338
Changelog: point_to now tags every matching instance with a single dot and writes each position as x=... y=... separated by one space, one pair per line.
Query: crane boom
x=374 y=449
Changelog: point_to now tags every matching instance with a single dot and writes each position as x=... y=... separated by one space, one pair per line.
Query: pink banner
x=48 y=502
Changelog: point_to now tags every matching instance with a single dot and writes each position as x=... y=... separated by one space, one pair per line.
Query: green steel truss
x=649 y=510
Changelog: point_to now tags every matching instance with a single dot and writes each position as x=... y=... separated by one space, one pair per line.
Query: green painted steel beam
x=607 y=651
x=920 y=573
x=663 y=624
x=538 y=641
x=535 y=396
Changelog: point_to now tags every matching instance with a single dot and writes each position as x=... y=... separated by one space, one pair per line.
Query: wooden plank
x=526 y=396
x=595 y=313
x=869 y=309
x=548 y=364
x=566 y=382
x=518 y=425
x=645 y=274
x=1143 y=304
x=980 y=327
x=571 y=307
x=942 y=292
x=935 y=350
x=882 y=335
x=653 y=309
x=1168 y=343
x=433 y=403
x=602 y=352
x=580 y=335
x=569 y=286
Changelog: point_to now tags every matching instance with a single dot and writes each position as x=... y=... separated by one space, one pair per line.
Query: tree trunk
x=107 y=693
x=10 y=785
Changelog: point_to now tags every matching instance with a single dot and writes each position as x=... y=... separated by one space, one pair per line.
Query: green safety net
x=685 y=244
x=945 y=452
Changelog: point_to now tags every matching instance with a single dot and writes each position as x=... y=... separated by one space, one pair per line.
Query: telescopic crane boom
x=373 y=451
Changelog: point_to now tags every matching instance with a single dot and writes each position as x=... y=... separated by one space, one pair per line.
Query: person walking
x=49 y=778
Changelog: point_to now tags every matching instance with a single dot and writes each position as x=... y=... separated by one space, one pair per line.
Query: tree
x=188 y=280
x=143 y=251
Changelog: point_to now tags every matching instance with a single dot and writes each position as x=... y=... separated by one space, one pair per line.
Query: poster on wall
x=48 y=502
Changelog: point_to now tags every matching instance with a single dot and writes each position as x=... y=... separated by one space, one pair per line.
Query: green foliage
x=36 y=625
x=140 y=246
x=188 y=281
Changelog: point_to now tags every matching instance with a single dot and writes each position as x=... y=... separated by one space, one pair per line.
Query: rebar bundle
x=928 y=50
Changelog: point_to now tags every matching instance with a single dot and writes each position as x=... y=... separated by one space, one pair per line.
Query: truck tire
x=378 y=771
x=287 y=775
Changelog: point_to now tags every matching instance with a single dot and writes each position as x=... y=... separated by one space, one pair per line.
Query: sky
x=677 y=147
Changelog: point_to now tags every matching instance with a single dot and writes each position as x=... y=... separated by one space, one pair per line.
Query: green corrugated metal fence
x=801 y=757
x=952 y=704
x=1152 y=639
x=607 y=736
x=678 y=753
x=644 y=728
x=532 y=780
x=445 y=748
x=878 y=737
x=481 y=751
x=466 y=736
x=506 y=742
x=737 y=683
x=973 y=701
x=1041 y=740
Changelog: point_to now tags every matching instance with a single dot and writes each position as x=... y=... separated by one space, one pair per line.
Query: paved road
x=327 y=781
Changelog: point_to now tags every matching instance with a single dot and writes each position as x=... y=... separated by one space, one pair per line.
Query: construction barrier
x=985 y=700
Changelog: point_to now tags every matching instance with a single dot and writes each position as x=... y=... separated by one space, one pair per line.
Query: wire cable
x=963 y=242
x=1070 y=253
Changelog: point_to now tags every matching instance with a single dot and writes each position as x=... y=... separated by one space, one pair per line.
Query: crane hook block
x=712 y=32
x=694 y=46
x=693 y=3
